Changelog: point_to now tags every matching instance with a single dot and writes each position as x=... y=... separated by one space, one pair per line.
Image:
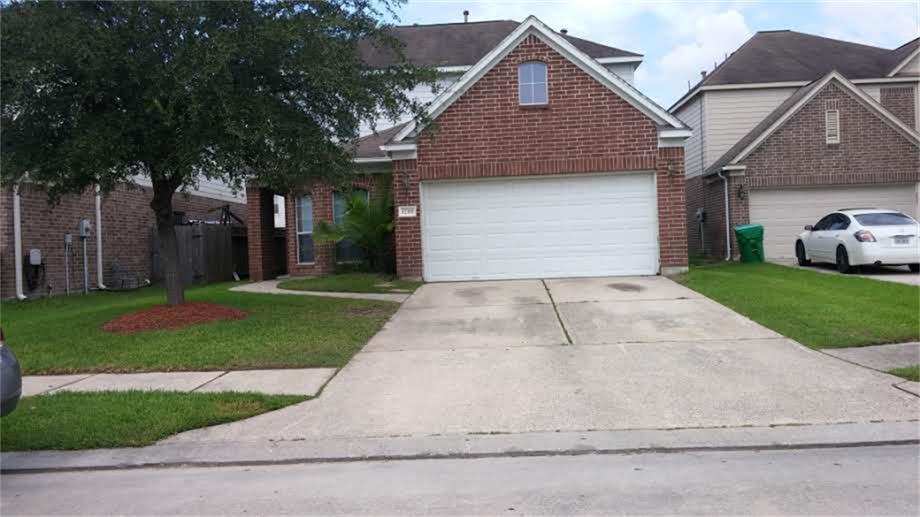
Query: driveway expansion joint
x=556 y=310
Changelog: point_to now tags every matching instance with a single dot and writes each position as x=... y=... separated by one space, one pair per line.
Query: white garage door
x=785 y=212
x=540 y=227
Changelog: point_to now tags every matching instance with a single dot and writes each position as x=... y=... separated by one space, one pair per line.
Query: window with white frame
x=831 y=122
x=532 y=87
x=305 y=230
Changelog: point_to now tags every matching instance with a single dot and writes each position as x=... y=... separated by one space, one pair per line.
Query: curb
x=466 y=446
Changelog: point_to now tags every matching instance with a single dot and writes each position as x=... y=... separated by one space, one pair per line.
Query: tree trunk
x=169 y=249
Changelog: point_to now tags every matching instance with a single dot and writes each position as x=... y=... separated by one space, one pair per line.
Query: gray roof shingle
x=790 y=56
x=461 y=44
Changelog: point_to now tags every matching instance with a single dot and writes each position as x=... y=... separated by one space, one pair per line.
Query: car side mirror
x=809 y=227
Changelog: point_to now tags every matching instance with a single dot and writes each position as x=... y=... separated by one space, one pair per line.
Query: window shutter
x=832 y=122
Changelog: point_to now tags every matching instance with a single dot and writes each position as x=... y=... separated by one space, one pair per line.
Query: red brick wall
x=585 y=128
x=260 y=233
x=127 y=223
x=870 y=151
x=900 y=101
x=797 y=154
x=323 y=210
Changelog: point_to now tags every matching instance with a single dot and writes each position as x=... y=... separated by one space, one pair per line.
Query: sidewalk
x=271 y=287
x=883 y=358
x=302 y=381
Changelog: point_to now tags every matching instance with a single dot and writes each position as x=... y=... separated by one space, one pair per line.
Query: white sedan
x=861 y=236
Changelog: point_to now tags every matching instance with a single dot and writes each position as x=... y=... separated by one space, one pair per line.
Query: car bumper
x=872 y=253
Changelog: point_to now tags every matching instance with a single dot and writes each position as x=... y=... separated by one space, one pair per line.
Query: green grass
x=123 y=419
x=62 y=334
x=815 y=309
x=351 y=283
x=911 y=373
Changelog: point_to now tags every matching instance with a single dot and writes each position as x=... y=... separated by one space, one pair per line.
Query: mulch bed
x=161 y=317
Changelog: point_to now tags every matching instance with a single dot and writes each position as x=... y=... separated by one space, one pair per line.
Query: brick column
x=408 y=230
x=260 y=224
x=323 y=254
x=672 y=211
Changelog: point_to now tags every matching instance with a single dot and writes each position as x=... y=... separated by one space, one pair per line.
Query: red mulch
x=162 y=317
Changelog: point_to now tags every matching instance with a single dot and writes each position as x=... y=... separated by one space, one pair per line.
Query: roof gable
x=778 y=117
x=533 y=26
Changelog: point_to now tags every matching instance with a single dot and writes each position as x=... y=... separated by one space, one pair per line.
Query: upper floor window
x=532 y=83
x=831 y=122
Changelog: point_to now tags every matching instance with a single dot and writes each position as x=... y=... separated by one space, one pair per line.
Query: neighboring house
x=120 y=255
x=543 y=161
x=799 y=126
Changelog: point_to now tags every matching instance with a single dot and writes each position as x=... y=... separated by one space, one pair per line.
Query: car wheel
x=914 y=268
x=800 y=254
x=843 y=261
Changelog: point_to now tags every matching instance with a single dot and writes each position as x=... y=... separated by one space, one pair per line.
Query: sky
x=680 y=39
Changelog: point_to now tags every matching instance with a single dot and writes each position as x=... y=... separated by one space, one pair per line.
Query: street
x=853 y=480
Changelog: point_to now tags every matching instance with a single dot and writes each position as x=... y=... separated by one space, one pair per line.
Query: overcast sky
x=679 y=39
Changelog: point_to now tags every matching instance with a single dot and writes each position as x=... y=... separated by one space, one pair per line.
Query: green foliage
x=815 y=309
x=63 y=335
x=367 y=223
x=351 y=283
x=66 y=420
x=97 y=92
x=911 y=373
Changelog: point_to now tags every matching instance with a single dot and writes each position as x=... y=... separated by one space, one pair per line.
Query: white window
x=305 y=230
x=831 y=122
x=532 y=83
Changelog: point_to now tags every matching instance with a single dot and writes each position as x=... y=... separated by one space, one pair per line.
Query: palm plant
x=367 y=224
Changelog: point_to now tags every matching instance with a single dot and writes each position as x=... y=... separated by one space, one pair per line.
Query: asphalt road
x=861 y=480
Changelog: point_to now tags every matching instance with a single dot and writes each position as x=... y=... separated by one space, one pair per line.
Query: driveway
x=896 y=274
x=574 y=355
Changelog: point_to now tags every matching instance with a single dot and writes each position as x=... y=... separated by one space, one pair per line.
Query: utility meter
x=35 y=257
x=85 y=228
x=701 y=215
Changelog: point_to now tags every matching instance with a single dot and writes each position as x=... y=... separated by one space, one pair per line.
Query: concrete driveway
x=575 y=355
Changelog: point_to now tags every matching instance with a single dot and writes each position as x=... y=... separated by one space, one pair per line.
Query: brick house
x=543 y=161
x=793 y=126
x=119 y=248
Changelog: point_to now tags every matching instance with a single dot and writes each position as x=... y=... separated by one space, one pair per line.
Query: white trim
x=734 y=168
x=534 y=26
x=673 y=137
x=397 y=147
x=786 y=84
x=100 y=283
x=453 y=69
x=903 y=63
x=623 y=59
x=861 y=95
x=380 y=159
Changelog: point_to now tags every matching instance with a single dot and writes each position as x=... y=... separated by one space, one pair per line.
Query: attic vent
x=831 y=122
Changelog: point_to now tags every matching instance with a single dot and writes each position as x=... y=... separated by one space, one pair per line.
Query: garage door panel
x=785 y=212
x=540 y=227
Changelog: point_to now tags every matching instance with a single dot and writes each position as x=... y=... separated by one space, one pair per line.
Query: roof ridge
x=906 y=43
x=451 y=23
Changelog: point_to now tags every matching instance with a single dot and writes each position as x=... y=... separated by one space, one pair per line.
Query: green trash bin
x=750 y=240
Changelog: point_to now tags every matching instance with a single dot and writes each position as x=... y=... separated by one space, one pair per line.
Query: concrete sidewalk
x=880 y=357
x=271 y=287
x=302 y=381
x=896 y=274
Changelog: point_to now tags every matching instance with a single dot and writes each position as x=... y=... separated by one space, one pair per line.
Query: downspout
x=728 y=229
x=99 y=280
x=17 y=242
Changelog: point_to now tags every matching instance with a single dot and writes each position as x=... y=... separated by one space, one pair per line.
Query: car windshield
x=884 y=219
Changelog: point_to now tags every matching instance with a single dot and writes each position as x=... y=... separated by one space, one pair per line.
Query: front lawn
x=63 y=334
x=817 y=310
x=351 y=283
x=911 y=373
x=124 y=419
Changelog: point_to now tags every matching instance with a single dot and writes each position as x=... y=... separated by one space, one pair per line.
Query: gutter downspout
x=99 y=280
x=17 y=242
x=728 y=229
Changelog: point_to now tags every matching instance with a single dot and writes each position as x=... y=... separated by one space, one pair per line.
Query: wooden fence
x=207 y=253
